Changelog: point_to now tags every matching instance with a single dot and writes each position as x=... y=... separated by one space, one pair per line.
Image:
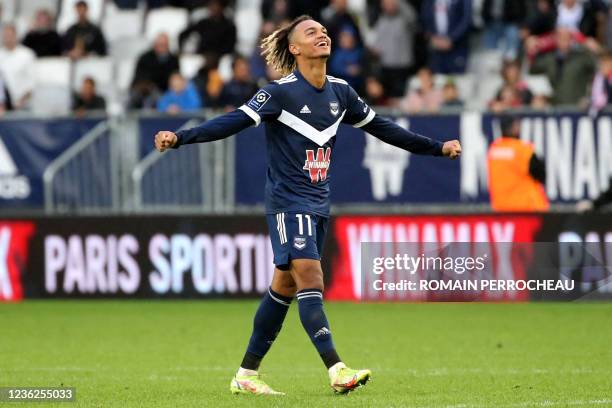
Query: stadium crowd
x=413 y=55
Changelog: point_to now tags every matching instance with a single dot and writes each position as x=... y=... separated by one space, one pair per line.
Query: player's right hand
x=165 y=140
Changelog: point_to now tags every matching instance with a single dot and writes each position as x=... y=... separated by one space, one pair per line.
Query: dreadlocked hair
x=275 y=47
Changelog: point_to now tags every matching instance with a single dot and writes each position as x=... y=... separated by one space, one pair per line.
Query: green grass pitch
x=184 y=353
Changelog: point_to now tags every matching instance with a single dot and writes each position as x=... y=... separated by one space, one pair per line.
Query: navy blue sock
x=266 y=326
x=310 y=303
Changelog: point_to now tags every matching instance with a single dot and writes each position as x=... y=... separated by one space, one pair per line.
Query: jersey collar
x=299 y=75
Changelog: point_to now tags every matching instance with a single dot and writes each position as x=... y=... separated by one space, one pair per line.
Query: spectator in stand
x=275 y=11
x=503 y=19
x=426 y=98
x=536 y=45
x=143 y=95
x=447 y=25
x=256 y=61
x=347 y=59
x=543 y=21
x=514 y=92
x=157 y=64
x=336 y=18
x=272 y=73
x=601 y=90
x=569 y=69
x=450 y=95
x=152 y=74
x=188 y=4
x=87 y=99
x=182 y=96
x=507 y=98
x=375 y=92
x=241 y=87
x=394 y=32
x=608 y=29
x=42 y=38
x=586 y=16
x=309 y=7
x=570 y=14
x=209 y=83
x=217 y=33
x=84 y=37
x=585 y=19
x=5 y=99
x=127 y=4
x=17 y=68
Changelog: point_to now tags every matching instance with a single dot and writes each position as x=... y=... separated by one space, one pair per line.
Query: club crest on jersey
x=317 y=165
x=299 y=243
x=259 y=100
x=334 y=108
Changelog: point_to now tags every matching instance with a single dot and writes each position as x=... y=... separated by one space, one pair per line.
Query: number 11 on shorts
x=300 y=218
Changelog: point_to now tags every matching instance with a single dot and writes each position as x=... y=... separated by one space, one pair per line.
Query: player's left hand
x=451 y=149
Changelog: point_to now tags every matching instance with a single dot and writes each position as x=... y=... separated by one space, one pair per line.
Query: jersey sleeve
x=219 y=128
x=264 y=105
x=358 y=113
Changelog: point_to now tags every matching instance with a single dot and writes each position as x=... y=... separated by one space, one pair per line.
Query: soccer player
x=302 y=112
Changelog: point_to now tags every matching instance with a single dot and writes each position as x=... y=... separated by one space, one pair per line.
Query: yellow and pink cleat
x=344 y=379
x=251 y=384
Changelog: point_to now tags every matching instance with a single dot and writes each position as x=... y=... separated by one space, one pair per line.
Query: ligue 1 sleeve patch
x=259 y=100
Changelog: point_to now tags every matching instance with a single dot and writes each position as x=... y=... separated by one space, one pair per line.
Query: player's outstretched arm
x=389 y=132
x=216 y=129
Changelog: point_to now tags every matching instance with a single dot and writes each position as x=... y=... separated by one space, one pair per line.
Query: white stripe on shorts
x=280 y=227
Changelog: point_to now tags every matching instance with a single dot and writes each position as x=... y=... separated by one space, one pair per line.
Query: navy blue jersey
x=301 y=125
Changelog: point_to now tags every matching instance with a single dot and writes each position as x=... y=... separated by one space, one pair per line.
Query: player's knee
x=286 y=289
x=283 y=283
x=310 y=278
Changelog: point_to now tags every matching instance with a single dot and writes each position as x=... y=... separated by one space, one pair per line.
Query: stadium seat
x=190 y=64
x=225 y=67
x=124 y=73
x=7 y=10
x=477 y=20
x=248 y=24
x=51 y=95
x=539 y=85
x=51 y=100
x=483 y=62
x=68 y=17
x=118 y=24
x=465 y=84
x=100 y=69
x=22 y=25
x=123 y=48
x=169 y=20
x=486 y=89
x=198 y=14
x=27 y=8
x=242 y=4
x=357 y=6
x=52 y=71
